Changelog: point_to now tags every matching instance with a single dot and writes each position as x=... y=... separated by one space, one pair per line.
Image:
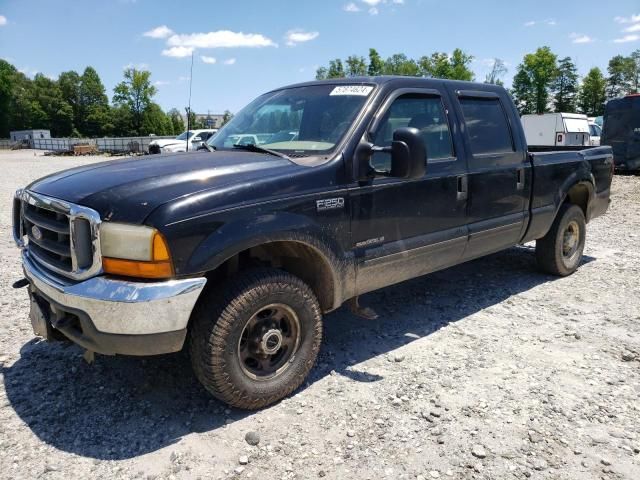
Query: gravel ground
x=488 y=370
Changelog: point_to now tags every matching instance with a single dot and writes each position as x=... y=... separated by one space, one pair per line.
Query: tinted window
x=417 y=111
x=487 y=126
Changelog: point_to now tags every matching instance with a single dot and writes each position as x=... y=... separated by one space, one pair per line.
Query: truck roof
x=398 y=81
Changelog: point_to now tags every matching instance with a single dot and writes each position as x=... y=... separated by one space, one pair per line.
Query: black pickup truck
x=311 y=196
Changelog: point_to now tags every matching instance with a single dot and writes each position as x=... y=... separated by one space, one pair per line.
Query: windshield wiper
x=252 y=147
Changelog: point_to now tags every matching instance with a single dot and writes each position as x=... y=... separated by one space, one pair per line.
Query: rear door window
x=486 y=126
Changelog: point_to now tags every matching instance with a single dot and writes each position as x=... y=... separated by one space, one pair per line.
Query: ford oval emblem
x=36 y=232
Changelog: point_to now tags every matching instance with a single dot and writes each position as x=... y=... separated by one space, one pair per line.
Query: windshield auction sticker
x=359 y=90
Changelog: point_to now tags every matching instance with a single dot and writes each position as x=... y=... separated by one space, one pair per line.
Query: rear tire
x=559 y=252
x=255 y=342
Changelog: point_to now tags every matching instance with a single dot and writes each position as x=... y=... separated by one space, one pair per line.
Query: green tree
x=69 y=83
x=177 y=123
x=541 y=71
x=321 y=73
x=155 y=121
x=592 y=95
x=376 y=64
x=498 y=70
x=356 y=66
x=622 y=72
x=400 y=64
x=7 y=86
x=635 y=80
x=136 y=92
x=58 y=114
x=437 y=65
x=94 y=104
x=460 y=62
x=336 y=70
x=226 y=117
x=565 y=86
x=522 y=91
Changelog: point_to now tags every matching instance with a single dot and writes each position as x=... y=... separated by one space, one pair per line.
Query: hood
x=164 y=142
x=129 y=190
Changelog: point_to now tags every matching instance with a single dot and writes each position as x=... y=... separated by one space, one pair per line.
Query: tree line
x=543 y=82
x=76 y=105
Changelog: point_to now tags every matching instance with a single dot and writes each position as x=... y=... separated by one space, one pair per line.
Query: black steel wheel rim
x=269 y=342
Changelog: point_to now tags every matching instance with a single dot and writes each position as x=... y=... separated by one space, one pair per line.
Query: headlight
x=134 y=251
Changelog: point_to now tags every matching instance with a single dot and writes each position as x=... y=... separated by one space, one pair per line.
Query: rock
x=238 y=470
x=351 y=433
x=396 y=402
x=478 y=451
x=434 y=474
x=322 y=473
x=627 y=356
x=243 y=460
x=534 y=437
x=398 y=358
x=605 y=461
x=252 y=438
x=539 y=464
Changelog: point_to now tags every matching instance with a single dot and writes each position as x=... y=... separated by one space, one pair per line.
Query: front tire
x=559 y=252
x=256 y=342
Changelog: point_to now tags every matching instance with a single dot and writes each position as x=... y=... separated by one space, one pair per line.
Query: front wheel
x=559 y=252
x=255 y=344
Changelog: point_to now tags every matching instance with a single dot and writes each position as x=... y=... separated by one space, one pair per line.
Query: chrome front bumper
x=117 y=308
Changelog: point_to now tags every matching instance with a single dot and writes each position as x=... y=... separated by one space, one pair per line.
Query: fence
x=6 y=144
x=110 y=145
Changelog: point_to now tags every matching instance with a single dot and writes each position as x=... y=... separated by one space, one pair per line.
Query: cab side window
x=427 y=114
x=487 y=126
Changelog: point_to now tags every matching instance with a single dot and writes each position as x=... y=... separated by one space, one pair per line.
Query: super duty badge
x=329 y=204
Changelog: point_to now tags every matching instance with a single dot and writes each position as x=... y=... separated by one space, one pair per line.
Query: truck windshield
x=304 y=123
x=184 y=135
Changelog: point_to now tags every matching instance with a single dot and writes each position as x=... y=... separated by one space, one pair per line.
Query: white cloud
x=183 y=79
x=551 y=22
x=627 y=38
x=220 y=39
x=159 y=32
x=178 y=52
x=137 y=66
x=633 y=28
x=293 y=37
x=230 y=61
x=632 y=19
x=3 y=20
x=373 y=7
x=580 y=38
x=159 y=83
x=209 y=60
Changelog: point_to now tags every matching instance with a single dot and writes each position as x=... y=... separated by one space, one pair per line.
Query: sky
x=243 y=48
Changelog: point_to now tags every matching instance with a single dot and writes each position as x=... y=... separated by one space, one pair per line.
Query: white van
x=557 y=129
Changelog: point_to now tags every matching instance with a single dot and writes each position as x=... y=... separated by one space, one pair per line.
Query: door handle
x=520 y=179
x=463 y=190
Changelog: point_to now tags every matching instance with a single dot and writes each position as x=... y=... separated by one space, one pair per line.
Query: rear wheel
x=559 y=252
x=255 y=344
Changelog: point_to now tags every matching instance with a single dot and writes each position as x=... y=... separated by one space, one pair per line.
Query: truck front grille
x=61 y=236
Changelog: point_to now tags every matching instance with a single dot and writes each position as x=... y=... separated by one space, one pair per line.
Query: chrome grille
x=61 y=236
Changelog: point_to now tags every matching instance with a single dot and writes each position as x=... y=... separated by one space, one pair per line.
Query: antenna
x=189 y=107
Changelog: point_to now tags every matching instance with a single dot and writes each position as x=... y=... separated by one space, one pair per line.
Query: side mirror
x=408 y=156
x=196 y=139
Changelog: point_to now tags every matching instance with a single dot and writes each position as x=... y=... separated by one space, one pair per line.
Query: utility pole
x=189 y=107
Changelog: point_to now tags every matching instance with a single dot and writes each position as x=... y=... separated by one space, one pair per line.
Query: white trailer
x=557 y=130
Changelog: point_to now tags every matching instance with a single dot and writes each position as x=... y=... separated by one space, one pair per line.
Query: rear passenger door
x=499 y=172
x=405 y=228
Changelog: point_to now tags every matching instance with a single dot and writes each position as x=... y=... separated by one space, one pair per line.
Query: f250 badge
x=329 y=204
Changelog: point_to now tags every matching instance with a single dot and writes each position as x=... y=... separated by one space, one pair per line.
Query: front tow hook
x=23 y=282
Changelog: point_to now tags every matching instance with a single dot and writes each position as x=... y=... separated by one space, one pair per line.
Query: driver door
x=406 y=228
